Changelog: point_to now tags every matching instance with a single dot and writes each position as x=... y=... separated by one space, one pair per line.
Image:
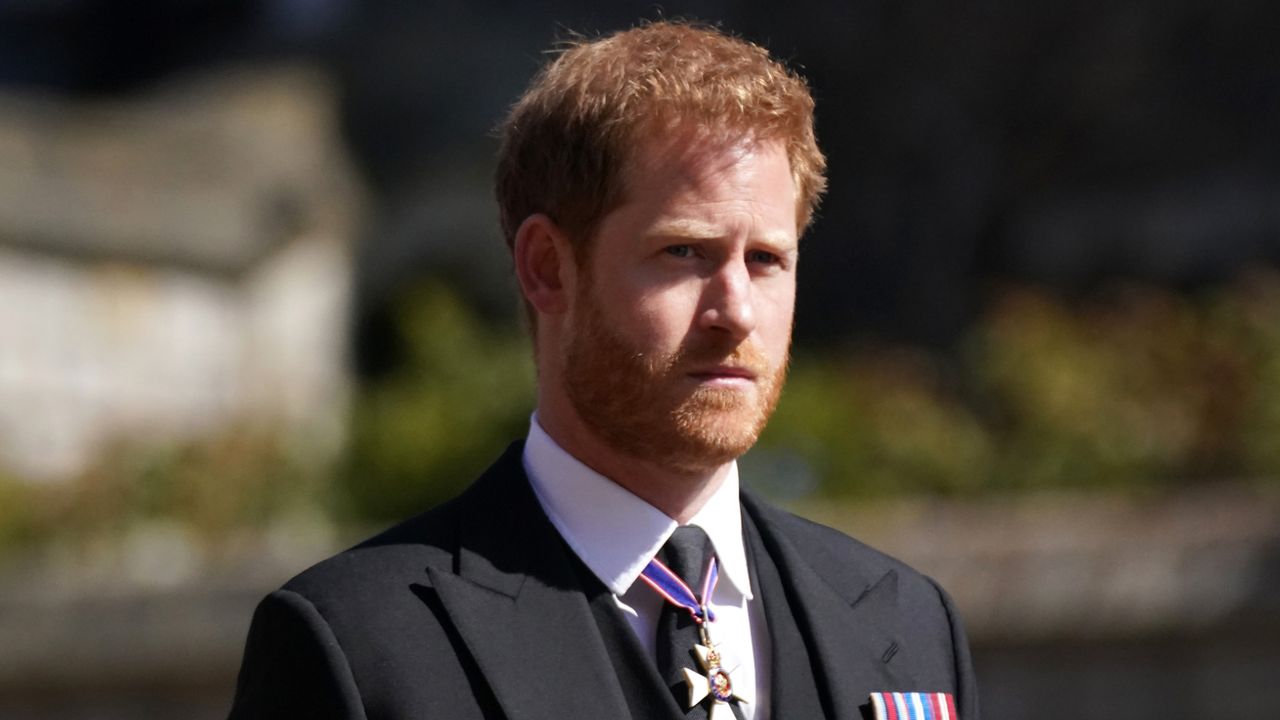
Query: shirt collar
x=614 y=532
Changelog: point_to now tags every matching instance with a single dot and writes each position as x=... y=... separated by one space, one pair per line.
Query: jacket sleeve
x=966 y=682
x=293 y=666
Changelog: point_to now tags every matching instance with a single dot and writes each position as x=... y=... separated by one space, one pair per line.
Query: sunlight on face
x=677 y=348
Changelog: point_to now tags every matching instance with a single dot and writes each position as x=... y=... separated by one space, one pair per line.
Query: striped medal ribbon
x=913 y=706
x=675 y=591
x=713 y=681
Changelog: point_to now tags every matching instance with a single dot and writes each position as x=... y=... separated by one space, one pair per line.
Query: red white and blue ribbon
x=713 y=681
x=675 y=591
x=913 y=706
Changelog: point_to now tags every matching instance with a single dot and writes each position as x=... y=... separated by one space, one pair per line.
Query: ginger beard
x=644 y=404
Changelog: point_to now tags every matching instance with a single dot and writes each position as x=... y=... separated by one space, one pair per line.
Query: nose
x=727 y=304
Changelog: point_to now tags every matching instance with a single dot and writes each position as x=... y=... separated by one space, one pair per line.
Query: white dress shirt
x=616 y=534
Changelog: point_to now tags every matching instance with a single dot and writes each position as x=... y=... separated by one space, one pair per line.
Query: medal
x=714 y=681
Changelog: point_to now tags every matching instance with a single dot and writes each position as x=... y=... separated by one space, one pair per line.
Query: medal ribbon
x=670 y=586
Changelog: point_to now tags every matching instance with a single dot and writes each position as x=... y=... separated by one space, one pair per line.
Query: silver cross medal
x=713 y=681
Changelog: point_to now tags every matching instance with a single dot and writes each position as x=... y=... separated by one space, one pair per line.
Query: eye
x=763 y=257
x=680 y=251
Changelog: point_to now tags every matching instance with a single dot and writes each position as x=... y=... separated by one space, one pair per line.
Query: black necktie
x=687 y=553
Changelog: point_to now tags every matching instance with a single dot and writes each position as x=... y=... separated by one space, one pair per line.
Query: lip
x=723 y=372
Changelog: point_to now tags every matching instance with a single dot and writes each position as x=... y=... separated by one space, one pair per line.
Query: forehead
x=686 y=160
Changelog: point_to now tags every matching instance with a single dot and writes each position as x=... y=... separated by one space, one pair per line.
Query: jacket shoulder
x=393 y=557
x=822 y=539
x=400 y=555
x=849 y=565
x=367 y=627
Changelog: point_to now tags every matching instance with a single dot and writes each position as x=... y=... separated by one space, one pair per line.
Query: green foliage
x=1137 y=387
x=1245 y=333
x=1140 y=386
x=18 y=508
x=423 y=433
x=242 y=478
x=1094 y=397
x=877 y=422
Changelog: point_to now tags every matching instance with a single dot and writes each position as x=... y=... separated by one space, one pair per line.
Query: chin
x=711 y=434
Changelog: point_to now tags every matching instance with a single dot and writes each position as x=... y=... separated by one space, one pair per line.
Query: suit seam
x=951 y=628
x=329 y=635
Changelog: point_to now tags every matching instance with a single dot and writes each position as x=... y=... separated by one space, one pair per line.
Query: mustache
x=744 y=355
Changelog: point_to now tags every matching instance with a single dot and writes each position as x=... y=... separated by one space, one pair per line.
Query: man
x=653 y=186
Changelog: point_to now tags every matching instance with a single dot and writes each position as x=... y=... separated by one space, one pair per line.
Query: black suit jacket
x=474 y=610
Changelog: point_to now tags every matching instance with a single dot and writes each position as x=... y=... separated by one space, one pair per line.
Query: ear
x=544 y=264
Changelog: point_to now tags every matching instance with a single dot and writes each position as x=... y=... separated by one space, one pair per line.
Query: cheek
x=648 y=320
x=663 y=322
x=774 y=323
x=667 y=308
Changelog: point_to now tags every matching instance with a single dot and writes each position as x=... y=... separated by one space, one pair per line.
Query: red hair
x=568 y=138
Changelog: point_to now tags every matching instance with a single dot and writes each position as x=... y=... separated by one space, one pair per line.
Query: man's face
x=676 y=344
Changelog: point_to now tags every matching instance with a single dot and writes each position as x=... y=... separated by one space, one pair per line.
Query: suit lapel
x=519 y=606
x=848 y=618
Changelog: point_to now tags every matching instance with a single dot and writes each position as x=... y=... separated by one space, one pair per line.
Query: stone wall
x=170 y=265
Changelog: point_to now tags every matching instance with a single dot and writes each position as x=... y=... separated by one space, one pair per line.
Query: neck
x=679 y=492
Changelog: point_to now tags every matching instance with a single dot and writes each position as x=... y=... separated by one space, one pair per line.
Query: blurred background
x=254 y=305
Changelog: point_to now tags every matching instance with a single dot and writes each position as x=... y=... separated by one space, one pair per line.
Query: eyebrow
x=688 y=229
